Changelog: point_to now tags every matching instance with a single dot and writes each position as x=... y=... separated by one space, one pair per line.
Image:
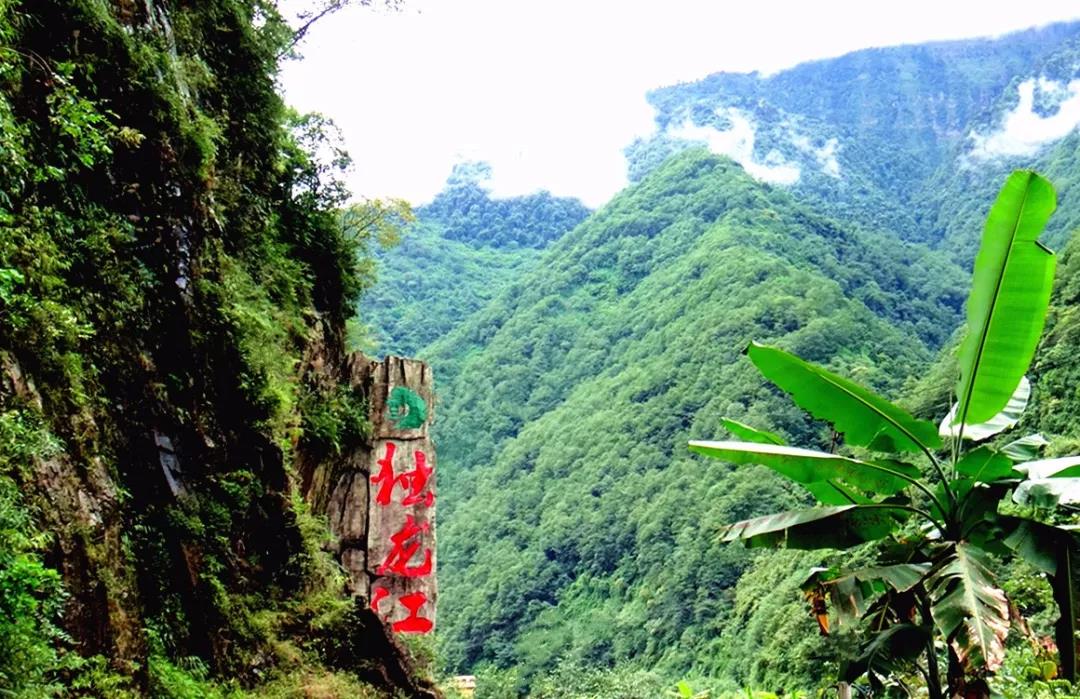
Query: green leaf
x=836 y=493
x=821 y=528
x=1064 y=467
x=1035 y=542
x=864 y=418
x=1048 y=492
x=1025 y=448
x=1010 y=292
x=750 y=434
x=1008 y=417
x=807 y=466
x=971 y=611
x=900 y=576
x=984 y=465
x=886 y=654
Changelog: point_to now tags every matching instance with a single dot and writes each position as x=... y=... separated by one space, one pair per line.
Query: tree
x=938 y=529
x=378 y=221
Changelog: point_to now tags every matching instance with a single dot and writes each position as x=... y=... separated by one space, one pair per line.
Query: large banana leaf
x=1049 y=482
x=822 y=528
x=1048 y=492
x=971 y=611
x=1009 y=416
x=1064 y=467
x=1026 y=448
x=1035 y=542
x=807 y=466
x=864 y=418
x=750 y=434
x=1010 y=291
x=984 y=465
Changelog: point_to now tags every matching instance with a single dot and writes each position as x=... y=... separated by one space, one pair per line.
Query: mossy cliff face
x=168 y=250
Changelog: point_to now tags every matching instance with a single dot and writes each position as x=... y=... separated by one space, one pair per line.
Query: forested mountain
x=579 y=526
x=463 y=249
x=467 y=212
x=889 y=138
x=577 y=533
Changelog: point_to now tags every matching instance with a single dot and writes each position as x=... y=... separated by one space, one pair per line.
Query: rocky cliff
x=172 y=272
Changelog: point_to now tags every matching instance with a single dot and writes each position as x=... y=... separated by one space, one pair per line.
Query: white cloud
x=737 y=142
x=1023 y=131
x=825 y=155
x=550 y=92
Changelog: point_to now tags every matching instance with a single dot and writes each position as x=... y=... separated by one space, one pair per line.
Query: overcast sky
x=550 y=91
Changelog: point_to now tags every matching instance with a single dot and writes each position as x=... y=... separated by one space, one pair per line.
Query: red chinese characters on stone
x=377 y=596
x=414 y=622
x=406 y=545
x=415 y=481
x=410 y=554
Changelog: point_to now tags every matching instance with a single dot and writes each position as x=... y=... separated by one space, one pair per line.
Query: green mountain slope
x=465 y=247
x=576 y=531
x=883 y=138
x=428 y=284
x=575 y=524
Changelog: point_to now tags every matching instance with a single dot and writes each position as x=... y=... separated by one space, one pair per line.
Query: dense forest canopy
x=465 y=247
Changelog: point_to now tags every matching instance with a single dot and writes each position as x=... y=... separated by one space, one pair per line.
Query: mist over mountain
x=872 y=136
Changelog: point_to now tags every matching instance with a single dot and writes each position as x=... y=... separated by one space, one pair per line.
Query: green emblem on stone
x=407 y=409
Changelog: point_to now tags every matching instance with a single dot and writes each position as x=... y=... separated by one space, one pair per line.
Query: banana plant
x=929 y=494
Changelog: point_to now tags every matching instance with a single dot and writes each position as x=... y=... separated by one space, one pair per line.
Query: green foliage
x=334 y=418
x=464 y=249
x=1055 y=373
x=572 y=524
x=31 y=602
x=185 y=679
x=467 y=212
x=428 y=285
x=171 y=239
x=32 y=598
x=954 y=593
